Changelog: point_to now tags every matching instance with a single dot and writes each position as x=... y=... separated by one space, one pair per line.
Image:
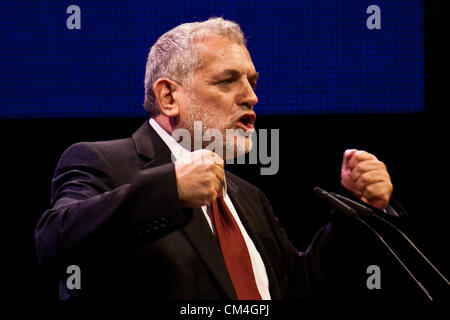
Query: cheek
x=218 y=120
x=216 y=100
x=219 y=111
x=217 y=108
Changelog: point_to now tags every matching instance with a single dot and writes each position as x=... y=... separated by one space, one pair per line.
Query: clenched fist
x=200 y=178
x=366 y=177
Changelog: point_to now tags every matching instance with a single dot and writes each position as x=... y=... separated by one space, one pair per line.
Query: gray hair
x=173 y=55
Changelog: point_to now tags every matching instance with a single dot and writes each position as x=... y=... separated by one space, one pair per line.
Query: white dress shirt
x=259 y=269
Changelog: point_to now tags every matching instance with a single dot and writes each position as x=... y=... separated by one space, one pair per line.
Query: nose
x=247 y=96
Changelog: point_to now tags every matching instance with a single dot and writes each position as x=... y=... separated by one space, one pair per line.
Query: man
x=139 y=225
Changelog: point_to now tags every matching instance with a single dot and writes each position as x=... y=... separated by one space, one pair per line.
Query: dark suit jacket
x=115 y=213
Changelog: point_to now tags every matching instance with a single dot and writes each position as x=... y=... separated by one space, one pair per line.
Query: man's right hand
x=200 y=178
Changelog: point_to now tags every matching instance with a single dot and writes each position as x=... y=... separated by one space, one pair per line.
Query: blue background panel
x=313 y=56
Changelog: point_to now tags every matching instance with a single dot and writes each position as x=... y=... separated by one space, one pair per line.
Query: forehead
x=219 y=53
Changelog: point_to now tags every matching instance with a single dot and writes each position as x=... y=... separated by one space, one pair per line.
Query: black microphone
x=360 y=208
x=335 y=202
x=345 y=209
x=366 y=211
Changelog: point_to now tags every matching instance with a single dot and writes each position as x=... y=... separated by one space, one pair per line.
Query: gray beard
x=232 y=148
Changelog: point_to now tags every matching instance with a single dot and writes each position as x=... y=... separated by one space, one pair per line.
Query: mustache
x=248 y=117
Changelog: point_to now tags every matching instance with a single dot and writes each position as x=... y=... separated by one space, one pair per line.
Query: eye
x=228 y=80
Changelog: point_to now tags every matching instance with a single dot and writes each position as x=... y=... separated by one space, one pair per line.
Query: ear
x=165 y=91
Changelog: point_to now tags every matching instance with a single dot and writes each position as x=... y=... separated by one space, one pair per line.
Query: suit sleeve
x=88 y=209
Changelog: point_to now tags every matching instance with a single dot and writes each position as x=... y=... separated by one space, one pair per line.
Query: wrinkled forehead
x=216 y=53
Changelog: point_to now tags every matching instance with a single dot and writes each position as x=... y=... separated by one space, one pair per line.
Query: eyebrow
x=253 y=78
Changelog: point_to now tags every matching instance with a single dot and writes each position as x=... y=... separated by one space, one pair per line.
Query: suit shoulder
x=110 y=147
x=117 y=158
x=94 y=154
x=115 y=148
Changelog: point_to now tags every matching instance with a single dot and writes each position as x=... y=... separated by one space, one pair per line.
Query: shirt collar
x=177 y=149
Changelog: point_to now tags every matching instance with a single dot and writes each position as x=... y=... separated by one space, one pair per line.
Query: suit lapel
x=154 y=152
x=202 y=239
x=150 y=148
x=245 y=214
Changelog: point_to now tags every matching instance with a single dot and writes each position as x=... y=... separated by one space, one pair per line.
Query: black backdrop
x=413 y=147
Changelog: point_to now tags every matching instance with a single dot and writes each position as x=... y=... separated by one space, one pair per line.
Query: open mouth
x=246 y=122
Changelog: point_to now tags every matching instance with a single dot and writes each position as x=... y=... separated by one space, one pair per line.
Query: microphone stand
x=345 y=209
x=361 y=208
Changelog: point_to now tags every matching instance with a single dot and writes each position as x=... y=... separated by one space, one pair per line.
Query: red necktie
x=234 y=251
